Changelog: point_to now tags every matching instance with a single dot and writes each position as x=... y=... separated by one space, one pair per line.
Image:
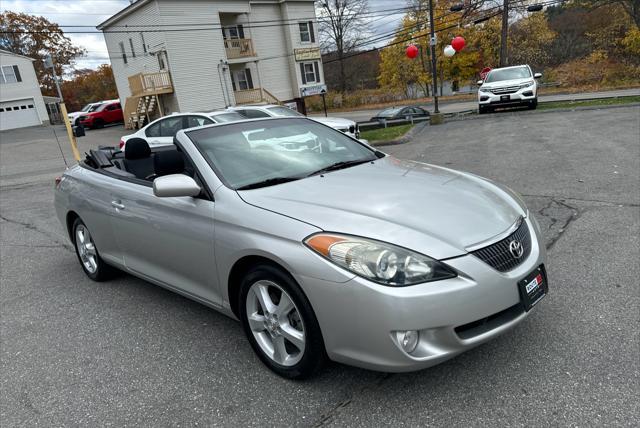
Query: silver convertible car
x=323 y=247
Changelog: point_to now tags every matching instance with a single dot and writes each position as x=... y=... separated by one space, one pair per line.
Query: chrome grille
x=498 y=255
x=507 y=90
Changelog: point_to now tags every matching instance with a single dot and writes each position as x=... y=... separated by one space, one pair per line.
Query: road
x=127 y=353
x=458 y=106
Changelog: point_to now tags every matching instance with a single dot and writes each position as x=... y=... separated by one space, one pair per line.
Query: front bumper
x=359 y=318
x=522 y=96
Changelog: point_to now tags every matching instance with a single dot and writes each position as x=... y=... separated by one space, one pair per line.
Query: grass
x=386 y=134
x=589 y=103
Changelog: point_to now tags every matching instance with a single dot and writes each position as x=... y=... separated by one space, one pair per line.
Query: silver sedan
x=323 y=247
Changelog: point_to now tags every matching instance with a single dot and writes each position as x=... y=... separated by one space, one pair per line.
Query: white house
x=198 y=55
x=21 y=101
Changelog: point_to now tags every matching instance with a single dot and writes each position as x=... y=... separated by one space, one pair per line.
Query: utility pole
x=505 y=33
x=432 y=43
x=48 y=63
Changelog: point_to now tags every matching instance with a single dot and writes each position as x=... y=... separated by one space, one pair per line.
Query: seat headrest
x=168 y=162
x=136 y=148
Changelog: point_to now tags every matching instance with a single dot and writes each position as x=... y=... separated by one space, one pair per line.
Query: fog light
x=408 y=340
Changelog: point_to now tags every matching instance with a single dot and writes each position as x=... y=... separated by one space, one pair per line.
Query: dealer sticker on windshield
x=533 y=287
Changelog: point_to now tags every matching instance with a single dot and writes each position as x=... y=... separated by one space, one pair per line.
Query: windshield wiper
x=340 y=165
x=268 y=182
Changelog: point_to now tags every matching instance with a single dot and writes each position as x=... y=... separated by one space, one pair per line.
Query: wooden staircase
x=140 y=110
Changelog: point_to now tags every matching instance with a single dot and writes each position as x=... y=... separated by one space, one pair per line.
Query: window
x=10 y=74
x=1 y=110
x=30 y=106
x=165 y=128
x=253 y=114
x=306 y=32
x=310 y=72
x=144 y=45
x=23 y=107
x=193 y=121
x=123 y=53
x=242 y=80
x=133 y=51
x=233 y=32
x=162 y=60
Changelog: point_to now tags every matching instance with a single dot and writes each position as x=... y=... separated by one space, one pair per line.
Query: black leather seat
x=137 y=158
x=168 y=162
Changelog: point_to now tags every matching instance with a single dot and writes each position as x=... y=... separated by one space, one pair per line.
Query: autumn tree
x=530 y=39
x=88 y=86
x=36 y=37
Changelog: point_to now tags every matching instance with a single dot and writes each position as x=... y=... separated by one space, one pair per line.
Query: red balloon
x=457 y=43
x=412 y=51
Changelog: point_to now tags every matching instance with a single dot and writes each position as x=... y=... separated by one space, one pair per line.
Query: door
x=18 y=114
x=113 y=113
x=168 y=240
x=162 y=132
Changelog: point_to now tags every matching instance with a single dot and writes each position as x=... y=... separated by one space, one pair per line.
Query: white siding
x=194 y=56
x=28 y=88
x=145 y=18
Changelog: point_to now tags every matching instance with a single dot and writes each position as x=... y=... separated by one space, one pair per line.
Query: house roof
x=124 y=12
x=15 y=54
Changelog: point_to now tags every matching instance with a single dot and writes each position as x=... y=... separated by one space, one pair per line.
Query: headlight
x=378 y=261
x=526 y=85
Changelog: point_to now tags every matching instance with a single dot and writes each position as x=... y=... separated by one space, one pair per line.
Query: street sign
x=307 y=91
x=48 y=62
x=484 y=72
x=307 y=54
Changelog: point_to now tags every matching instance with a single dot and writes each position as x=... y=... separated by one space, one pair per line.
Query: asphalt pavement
x=455 y=106
x=123 y=353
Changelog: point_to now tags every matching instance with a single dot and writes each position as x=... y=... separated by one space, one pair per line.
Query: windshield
x=508 y=74
x=390 y=111
x=90 y=107
x=283 y=111
x=275 y=150
x=227 y=117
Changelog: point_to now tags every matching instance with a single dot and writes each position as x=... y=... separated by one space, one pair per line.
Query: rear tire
x=280 y=324
x=88 y=256
x=98 y=124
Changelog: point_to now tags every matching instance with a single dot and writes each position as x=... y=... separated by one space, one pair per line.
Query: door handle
x=117 y=205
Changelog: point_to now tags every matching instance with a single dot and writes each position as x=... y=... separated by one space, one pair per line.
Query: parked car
x=347 y=126
x=400 y=112
x=508 y=86
x=283 y=238
x=104 y=114
x=161 y=131
x=89 y=108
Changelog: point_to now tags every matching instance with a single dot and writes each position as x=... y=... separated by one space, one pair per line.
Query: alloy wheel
x=86 y=249
x=275 y=323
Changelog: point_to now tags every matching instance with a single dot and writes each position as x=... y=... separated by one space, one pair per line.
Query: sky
x=67 y=13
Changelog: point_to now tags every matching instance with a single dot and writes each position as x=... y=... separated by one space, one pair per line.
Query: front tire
x=280 y=323
x=533 y=104
x=88 y=256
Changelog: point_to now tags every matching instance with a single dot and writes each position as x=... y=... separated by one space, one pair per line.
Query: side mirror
x=78 y=131
x=480 y=82
x=175 y=185
x=537 y=75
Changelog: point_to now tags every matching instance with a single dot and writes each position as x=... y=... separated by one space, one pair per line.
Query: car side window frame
x=153 y=126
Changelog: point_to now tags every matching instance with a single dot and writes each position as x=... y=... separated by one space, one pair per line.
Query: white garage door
x=18 y=114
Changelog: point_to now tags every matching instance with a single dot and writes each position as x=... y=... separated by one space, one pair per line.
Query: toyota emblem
x=516 y=249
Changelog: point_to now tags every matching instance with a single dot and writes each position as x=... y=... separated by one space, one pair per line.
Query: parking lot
x=125 y=352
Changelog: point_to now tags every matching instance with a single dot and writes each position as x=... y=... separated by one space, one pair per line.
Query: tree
x=530 y=40
x=631 y=7
x=342 y=28
x=36 y=37
x=88 y=86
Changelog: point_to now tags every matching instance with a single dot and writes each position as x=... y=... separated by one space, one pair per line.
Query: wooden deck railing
x=253 y=96
x=239 y=48
x=150 y=83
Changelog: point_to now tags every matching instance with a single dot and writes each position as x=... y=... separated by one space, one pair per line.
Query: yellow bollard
x=72 y=138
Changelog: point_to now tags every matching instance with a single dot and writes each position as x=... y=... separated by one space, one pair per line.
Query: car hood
x=75 y=114
x=433 y=210
x=505 y=83
x=334 y=122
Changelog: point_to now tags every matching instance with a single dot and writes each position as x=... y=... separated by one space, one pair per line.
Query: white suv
x=347 y=126
x=508 y=86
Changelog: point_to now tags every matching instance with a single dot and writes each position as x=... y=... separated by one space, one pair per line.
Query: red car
x=105 y=114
